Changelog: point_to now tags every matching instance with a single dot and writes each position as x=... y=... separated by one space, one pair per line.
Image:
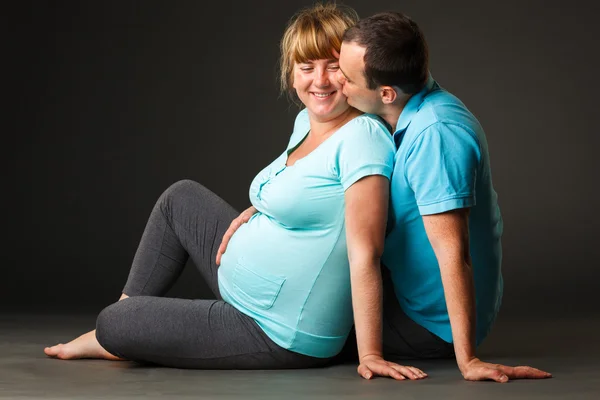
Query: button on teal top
x=288 y=266
x=442 y=163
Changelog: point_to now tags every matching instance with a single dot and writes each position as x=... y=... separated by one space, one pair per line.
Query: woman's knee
x=183 y=188
x=113 y=329
x=180 y=193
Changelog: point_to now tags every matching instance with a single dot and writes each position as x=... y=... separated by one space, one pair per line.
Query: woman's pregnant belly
x=265 y=261
x=289 y=281
x=267 y=248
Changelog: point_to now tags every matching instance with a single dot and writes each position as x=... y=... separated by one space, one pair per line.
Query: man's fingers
x=493 y=374
x=524 y=372
x=499 y=377
x=502 y=373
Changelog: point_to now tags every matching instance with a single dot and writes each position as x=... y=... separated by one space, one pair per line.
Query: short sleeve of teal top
x=363 y=151
x=288 y=266
x=441 y=168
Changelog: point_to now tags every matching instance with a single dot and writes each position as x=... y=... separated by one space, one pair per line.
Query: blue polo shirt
x=288 y=266
x=442 y=163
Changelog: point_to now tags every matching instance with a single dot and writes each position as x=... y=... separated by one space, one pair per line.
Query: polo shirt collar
x=413 y=105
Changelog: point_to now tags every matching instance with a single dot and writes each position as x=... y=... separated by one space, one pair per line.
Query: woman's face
x=317 y=87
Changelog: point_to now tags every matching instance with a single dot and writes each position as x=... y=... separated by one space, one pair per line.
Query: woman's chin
x=327 y=112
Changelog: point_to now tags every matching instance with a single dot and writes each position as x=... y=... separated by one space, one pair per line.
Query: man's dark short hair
x=396 y=51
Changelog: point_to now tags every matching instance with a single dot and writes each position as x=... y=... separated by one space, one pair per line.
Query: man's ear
x=388 y=94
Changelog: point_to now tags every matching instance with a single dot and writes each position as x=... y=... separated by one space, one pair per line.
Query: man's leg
x=403 y=338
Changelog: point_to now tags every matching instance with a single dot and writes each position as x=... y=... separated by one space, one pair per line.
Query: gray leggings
x=188 y=220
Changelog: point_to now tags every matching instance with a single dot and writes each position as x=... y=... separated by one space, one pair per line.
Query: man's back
x=442 y=164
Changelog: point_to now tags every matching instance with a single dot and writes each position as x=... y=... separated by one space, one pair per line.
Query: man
x=443 y=247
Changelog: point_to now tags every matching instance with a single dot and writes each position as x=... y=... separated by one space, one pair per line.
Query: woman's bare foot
x=85 y=346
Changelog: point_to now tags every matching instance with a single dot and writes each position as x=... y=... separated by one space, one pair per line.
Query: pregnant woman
x=284 y=297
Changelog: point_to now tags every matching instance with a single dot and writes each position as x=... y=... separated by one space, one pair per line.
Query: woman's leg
x=187 y=220
x=208 y=334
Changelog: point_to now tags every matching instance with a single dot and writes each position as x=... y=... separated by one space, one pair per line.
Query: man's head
x=384 y=58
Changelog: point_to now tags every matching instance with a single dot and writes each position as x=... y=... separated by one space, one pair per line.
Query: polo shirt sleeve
x=365 y=149
x=441 y=168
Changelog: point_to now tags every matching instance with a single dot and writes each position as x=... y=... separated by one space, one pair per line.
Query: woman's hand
x=235 y=224
x=374 y=365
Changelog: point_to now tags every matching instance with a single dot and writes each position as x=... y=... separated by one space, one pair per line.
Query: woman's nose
x=323 y=78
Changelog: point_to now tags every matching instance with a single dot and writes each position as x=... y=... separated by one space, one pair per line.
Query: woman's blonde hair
x=312 y=34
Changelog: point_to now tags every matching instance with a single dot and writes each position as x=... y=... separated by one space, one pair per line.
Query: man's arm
x=366 y=211
x=448 y=234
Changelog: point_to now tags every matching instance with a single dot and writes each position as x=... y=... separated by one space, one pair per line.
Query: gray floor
x=569 y=348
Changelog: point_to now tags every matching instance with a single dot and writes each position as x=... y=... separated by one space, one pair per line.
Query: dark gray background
x=108 y=103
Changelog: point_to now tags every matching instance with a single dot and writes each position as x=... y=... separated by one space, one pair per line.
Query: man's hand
x=477 y=370
x=374 y=365
x=235 y=224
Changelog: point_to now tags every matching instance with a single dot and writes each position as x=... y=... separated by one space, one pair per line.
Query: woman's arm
x=366 y=217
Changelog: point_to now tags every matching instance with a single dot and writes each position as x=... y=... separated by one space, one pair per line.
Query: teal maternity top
x=288 y=266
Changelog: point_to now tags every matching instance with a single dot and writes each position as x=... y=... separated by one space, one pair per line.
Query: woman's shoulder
x=365 y=147
x=366 y=127
x=372 y=122
x=302 y=123
x=301 y=128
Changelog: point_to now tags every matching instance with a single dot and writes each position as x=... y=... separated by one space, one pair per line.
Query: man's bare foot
x=85 y=346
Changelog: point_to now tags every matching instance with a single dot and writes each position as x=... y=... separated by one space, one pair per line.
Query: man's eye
x=306 y=69
x=334 y=67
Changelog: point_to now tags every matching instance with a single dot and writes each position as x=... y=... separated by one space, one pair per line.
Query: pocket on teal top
x=260 y=290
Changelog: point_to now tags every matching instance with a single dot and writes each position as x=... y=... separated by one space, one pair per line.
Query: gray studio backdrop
x=111 y=102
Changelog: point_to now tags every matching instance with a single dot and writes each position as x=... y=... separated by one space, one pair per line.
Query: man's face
x=351 y=75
